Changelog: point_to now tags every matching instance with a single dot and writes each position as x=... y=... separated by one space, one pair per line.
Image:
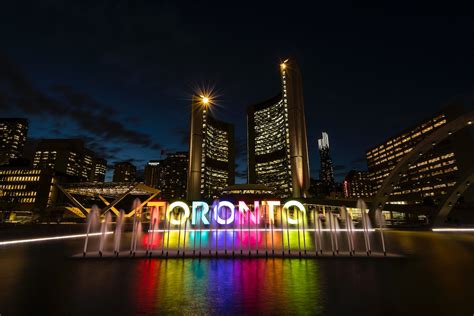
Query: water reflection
x=42 y=278
x=237 y=286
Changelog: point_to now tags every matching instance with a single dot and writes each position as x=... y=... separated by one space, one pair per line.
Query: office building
x=69 y=157
x=434 y=174
x=153 y=173
x=26 y=189
x=169 y=175
x=277 y=144
x=326 y=171
x=173 y=176
x=99 y=170
x=124 y=172
x=356 y=184
x=13 y=132
x=211 y=152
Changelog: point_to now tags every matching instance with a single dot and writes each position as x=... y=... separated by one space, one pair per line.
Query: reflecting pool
x=434 y=277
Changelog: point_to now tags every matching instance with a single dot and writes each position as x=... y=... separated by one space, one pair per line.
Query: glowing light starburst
x=206 y=95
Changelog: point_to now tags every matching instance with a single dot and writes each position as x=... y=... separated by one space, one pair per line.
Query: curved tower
x=211 y=153
x=277 y=144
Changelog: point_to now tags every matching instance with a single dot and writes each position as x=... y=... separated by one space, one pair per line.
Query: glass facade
x=216 y=156
x=276 y=134
x=211 y=164
x=272 y=150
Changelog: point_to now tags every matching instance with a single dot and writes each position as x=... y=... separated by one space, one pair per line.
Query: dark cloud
x=97 y=119
x=92 y=117
x=56 y=131
x=81 y=100
x=102 y=150
x=136 y=162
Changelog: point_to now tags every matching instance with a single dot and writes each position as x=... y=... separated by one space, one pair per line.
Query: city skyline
x=273 y=158
x=242 y=154
x=349 y=75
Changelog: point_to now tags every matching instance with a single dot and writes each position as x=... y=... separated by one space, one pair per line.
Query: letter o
x=173 y=205
x=298 y=205
x=229 y=220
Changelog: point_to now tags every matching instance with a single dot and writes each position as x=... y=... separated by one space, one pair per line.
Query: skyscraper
x=211 y=152
x=277 y=144
x=169 y=175
x=173 y=176
x=13 y=133
x=70 y=157
x=153 y=173
x=326 y=171
x=99 y=170
x=124 y=172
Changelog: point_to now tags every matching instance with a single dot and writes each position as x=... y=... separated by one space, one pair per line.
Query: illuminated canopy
x=108 y=189
x=116 y=190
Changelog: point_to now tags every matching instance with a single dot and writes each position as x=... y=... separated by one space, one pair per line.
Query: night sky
x=120 y=74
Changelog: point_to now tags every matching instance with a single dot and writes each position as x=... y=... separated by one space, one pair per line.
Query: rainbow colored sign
x=224 y=212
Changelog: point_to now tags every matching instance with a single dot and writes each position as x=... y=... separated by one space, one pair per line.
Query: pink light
x=253 y=216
